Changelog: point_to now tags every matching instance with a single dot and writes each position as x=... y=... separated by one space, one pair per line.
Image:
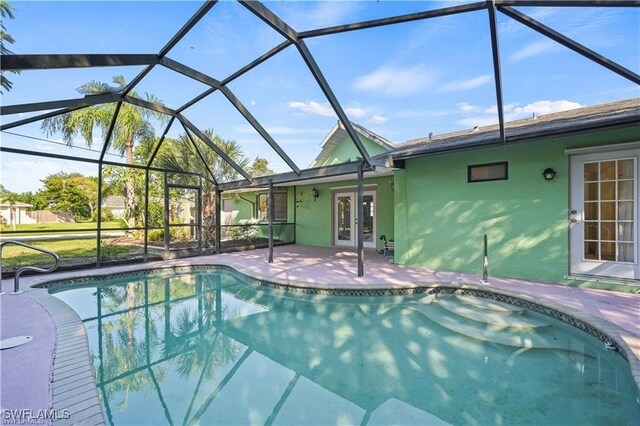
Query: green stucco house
x=559 y=200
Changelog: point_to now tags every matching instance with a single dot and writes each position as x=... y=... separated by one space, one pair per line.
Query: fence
x=46 y=216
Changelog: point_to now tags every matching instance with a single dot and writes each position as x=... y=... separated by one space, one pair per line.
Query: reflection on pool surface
x=208 y=348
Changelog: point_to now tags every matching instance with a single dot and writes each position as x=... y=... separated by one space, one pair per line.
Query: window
x=487 y=172
x=280 y=204
x=227 y=205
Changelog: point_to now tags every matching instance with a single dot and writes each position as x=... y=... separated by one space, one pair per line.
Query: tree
x=180 y=155
x=6 y=11
x=71 y=193
x=4 y=192
x=133 y=125
x=260 y=167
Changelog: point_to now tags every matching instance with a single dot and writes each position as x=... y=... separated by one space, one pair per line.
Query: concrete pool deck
x=27 y=370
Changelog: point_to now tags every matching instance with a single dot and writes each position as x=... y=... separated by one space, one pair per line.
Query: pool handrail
x=16 y=279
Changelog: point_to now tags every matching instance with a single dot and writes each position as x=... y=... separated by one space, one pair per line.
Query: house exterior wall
x=21 y=216
x=314 y=219
x=243 y=209
x=440 y=219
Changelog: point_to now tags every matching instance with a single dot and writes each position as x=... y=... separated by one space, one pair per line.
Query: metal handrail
x=16 y=279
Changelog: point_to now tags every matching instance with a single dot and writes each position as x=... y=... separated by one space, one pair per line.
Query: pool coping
x=610 y=334
x=73 y=386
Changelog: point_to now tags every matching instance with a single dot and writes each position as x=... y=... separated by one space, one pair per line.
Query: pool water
x=209 y=348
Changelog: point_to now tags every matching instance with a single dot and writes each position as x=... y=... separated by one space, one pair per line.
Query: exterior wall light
x=315 y=194
x=549 y=173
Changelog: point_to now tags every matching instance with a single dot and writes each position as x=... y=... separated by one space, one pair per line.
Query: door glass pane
x=591 y=230
x=608 y=251
x=591 y=211
x=591 y=250
x=608 y=231
x=625 y=169
x=590 y=172
x=344 y=218
x=625 y=231
x=591 y=191
x=367 y=223
x=608 y=170
x=625 y=210
x=625 y=252
x=608 y=211
x=608 y=191
x=625 y=190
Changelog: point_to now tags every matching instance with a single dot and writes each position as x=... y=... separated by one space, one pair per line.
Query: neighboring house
x=15 y=213
x=440 y=195
x=115 y=204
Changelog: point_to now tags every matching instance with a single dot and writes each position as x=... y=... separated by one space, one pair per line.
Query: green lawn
x=45 y=227
x=68 y=250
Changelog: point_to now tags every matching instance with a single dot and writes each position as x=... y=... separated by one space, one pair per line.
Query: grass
x=82 y=227
x=70 y=251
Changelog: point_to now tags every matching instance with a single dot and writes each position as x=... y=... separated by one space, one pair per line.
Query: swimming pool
x=208 y=347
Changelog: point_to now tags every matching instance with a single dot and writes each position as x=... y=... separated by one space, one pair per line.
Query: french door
x=603 y=219
x=346 y=220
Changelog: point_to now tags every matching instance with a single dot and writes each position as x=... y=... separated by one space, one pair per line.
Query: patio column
x=218 y=194
x=146 y=215
x=359 y=221
x=167 y=217
x=99 y=212
x=270 y=212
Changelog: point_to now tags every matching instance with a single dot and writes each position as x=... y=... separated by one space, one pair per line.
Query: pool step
x=489 y=305
x=505 y=336
x=490 y=317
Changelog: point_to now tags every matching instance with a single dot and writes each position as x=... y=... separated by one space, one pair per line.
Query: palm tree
x=6 y=11
x=133 y=125
x=180 y=155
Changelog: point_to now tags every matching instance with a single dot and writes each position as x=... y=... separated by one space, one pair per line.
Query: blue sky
x=402 y=81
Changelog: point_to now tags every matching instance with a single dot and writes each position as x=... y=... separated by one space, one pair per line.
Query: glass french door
x=345 y=219
x=603 y=217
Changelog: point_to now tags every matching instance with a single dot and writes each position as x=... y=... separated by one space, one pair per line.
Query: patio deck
x=26 y=370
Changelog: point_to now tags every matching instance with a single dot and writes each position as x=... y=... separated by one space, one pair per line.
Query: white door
x=345 y=219
x=603 y=217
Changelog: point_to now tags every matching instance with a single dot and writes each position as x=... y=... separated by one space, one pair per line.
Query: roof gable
x=338 y=147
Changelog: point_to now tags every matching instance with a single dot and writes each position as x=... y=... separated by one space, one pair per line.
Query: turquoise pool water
x=208 y=348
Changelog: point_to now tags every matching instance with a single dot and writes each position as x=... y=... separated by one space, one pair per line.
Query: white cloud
x=313 y=107
x=422 y=113
x=465 y=107
x=494 y=109
x=356 y=112
x=324 y=109
x=378 y=119
x=306 y=15
x=478 y=121
x=394 y=81
x=535 y=49
x=278 y=130
x=462 y=85
x=511 y=27
x=547 y=107
x=513 y=112
x=253 y=102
